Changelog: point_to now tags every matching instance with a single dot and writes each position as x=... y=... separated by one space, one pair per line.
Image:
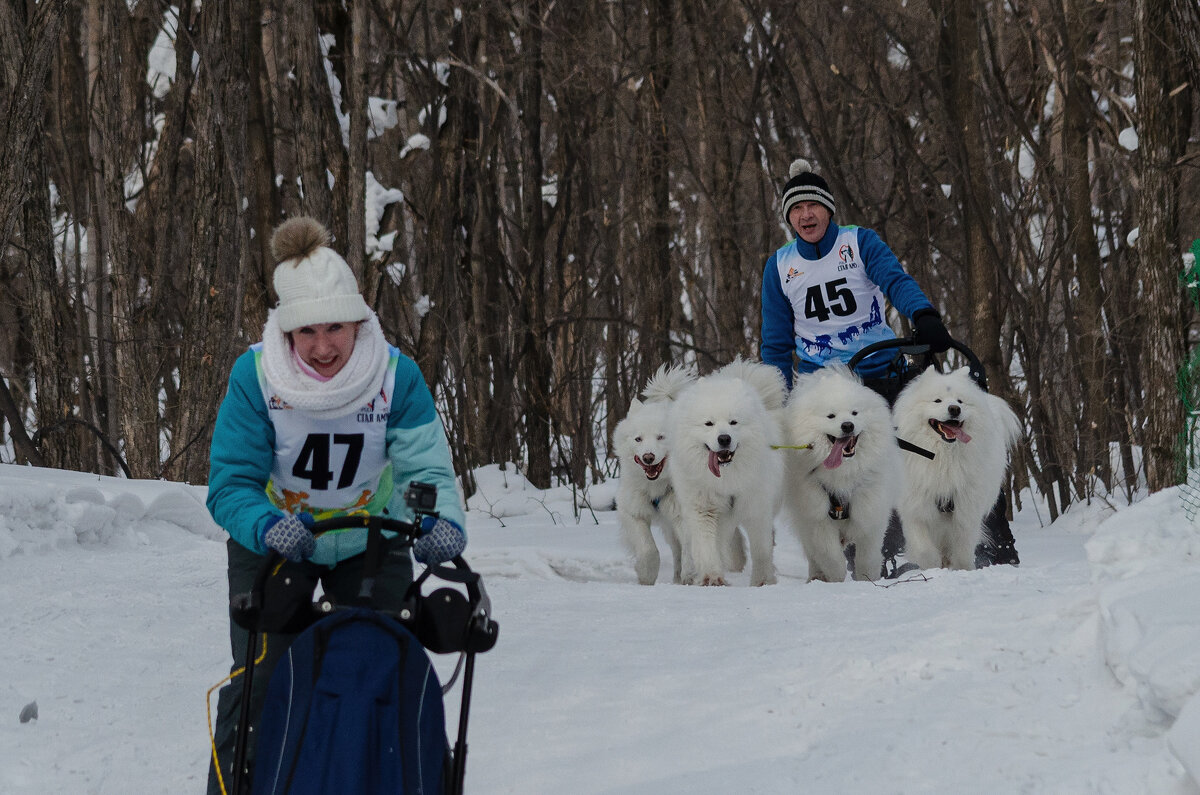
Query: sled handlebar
x=420 y=497
x=410 y=530
x=407 y=530
x=907 y=346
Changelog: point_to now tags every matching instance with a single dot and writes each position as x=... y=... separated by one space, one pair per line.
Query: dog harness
x=661 y=497
x=839 y=507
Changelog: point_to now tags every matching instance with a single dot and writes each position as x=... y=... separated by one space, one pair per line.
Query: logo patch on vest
x=846 y=255
x=368 y=413
x=793 y=274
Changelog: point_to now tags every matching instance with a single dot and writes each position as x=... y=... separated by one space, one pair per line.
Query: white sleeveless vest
x=334 y=465
x=837 y=310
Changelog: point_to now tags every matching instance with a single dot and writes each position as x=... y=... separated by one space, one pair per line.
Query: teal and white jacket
x=268 y=458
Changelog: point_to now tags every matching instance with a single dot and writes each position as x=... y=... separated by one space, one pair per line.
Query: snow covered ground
x=1075 y=673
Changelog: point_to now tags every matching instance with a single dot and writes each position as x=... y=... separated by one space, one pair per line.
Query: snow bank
x=43 y=510
x=503 y=492
x=1143 y=561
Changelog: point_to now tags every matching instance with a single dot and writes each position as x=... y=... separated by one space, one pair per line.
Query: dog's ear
x=1010 y=424
x=634 y=404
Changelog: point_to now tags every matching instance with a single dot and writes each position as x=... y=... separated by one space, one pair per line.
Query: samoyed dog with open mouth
x=944 y=500
x=644 y=494
x=843 y=472
x=725 y=471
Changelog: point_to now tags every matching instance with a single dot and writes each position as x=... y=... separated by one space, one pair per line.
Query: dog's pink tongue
x=834 y=460
x=958 y=433
x=714 y=466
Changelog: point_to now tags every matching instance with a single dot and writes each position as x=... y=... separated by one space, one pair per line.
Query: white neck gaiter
x=353 y=386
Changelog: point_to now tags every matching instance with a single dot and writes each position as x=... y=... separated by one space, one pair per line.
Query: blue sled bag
x=354 y=707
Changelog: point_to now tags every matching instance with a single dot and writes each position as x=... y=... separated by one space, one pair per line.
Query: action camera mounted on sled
x=422 y=498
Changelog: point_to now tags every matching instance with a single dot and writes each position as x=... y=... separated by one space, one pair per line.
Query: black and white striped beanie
x=805 y=186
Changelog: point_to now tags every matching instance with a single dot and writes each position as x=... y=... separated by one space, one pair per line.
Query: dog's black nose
x=648 y=458
x=954 y=410
x=724 y=440
x=847 y=427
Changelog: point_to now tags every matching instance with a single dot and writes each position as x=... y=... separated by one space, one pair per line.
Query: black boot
x=998 y=546
x=893 y=545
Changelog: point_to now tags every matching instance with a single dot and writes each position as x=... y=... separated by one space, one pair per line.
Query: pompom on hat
x=805 y=186
x=313 y=283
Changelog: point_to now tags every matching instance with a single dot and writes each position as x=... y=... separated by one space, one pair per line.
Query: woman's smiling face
x=325 y=347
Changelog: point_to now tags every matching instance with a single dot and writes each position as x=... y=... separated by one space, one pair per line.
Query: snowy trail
x=122 y=642
x=1062 y=676
x=948 y=683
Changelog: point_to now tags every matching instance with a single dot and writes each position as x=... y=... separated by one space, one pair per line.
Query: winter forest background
x=546 y=200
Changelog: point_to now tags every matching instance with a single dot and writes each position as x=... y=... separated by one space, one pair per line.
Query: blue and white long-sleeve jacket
x=825 y=302
x=248 y=448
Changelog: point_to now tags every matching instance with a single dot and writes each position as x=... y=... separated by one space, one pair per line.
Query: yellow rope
x=791 y=447
x=212 y=739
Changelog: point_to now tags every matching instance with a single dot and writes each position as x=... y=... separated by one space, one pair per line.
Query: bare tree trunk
x=661 y=279
x=356 y=107
x=218 y=264
x=1185 y=16
x=309 y=107
x=104 y=382
x=959 y=62
x=1162 y=130
x=1078 y=22
x=27 y=48
x=536 y=368
x=260 y=153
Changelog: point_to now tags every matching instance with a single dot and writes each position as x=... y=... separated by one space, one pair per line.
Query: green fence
x=1189 y=393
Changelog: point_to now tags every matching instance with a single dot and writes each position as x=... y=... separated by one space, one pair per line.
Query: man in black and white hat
x=823 y=293
x=823 y=301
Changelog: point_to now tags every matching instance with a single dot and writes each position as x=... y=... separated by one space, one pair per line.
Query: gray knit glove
x=289 y=535
x=441 y=540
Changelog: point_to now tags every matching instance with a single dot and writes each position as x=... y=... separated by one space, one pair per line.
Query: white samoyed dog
x=725 y=472
x=944 y=500
x=842 y=485
x=644 y=493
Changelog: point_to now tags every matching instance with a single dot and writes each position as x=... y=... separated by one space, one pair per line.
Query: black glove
x=929 y=330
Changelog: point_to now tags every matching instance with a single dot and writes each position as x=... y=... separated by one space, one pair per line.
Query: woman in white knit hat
x=321 y=418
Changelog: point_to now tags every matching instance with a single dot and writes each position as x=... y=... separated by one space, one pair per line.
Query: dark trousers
x=341 y=583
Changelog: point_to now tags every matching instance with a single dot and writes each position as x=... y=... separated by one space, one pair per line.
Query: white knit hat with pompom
x=313 y=283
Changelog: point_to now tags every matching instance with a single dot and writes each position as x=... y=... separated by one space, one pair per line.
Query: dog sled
x=910 y=359
x=355 y=706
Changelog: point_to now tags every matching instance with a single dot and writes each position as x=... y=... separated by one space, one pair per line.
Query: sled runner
x=354 y=705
